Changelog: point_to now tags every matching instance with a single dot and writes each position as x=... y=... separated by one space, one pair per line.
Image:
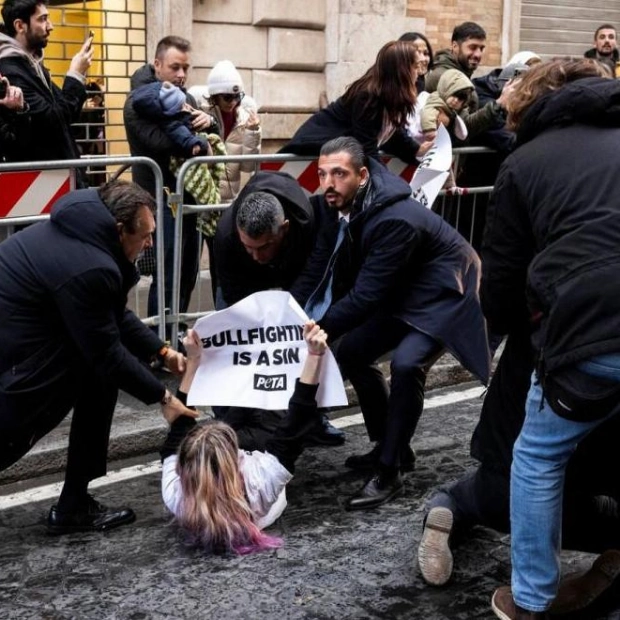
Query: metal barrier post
x=84 y=162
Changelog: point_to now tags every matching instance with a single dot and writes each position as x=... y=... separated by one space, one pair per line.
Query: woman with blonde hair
x=374 y=109
x=223 y=497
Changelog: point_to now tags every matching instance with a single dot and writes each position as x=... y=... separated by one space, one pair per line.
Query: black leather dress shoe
x=327 y=435
x=94 y=518
x=378 y=490
x=368 y=462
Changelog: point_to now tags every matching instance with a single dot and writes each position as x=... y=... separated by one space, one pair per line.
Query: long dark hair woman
x=373 y=109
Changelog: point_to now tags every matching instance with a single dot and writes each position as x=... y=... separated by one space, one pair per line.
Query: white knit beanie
x=224 y=79
x=172 y=99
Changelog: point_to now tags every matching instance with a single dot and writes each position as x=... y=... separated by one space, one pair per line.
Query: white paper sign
x=254 y=351
x=433 y=171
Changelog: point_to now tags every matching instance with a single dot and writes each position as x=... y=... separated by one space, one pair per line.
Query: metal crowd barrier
x=84 y=162
x=448 y=205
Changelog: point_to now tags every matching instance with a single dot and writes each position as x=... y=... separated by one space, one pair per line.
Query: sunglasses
x=462 y=95
x=228 y=98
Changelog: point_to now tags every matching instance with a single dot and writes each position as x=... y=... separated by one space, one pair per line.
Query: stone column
x=165 y=17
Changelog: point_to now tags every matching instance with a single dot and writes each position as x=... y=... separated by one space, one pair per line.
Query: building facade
x=288 y=53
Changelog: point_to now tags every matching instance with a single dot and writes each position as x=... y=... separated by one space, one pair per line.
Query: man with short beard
x=465 y=54
x=27 y=28
x=386 y=276
x=605 y=48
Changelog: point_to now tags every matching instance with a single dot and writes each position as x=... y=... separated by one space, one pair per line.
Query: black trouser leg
x=88 y=440
x=411 y=360
x=356 y=353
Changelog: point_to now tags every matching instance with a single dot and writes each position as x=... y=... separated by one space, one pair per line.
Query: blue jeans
x=540 y=456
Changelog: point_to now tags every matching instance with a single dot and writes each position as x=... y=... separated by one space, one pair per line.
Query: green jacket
x=476 y=119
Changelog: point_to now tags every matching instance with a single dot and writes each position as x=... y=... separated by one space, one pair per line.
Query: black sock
x=74 y=495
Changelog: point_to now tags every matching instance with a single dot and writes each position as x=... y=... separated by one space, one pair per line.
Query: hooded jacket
x=476 y=118
x=452 y=81
x=147 y=103
x=489 y=88
x=148 y=138
x=62 y=310
x=401 y=258
x=550 y=251
x=240 y=141
x=238 y=274
x=47 y=136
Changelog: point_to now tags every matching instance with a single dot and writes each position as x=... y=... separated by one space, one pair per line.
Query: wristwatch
x=166 y=398
x=161 y=354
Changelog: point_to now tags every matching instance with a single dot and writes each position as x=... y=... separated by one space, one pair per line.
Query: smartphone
x=91 y=36
x=3 y=89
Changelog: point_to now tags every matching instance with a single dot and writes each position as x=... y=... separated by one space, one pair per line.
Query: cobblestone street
x=334 y=564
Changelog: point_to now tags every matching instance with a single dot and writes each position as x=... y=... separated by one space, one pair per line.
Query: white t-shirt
x=265 y=481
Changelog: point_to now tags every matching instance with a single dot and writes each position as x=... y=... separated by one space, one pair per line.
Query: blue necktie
x=319 y=302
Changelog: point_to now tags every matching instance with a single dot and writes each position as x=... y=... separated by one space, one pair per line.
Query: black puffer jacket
x=238 y=274
x=552 y=245
x=62 y=307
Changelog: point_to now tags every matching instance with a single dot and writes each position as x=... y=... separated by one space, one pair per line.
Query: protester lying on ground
x=373 y=110
x=223 y=497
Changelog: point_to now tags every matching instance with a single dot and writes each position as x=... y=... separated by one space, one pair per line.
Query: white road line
x=51 y=491
x=430 y=403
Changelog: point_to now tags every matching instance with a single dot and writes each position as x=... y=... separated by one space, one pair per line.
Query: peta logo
x=270 y=383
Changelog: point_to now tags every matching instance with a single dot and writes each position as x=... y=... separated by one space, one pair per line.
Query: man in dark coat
x=148 y=139
x=262 y=242
x=52 y=109
x=467 y=46
x=605 y=48
x=402 y=280
x=68 y=341
x=550 y=255
x=241 y=270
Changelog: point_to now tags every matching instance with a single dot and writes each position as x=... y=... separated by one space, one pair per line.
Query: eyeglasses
x=228 y=98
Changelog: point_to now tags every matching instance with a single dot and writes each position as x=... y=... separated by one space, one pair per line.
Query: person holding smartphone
x=13 y=117
x=52 y=109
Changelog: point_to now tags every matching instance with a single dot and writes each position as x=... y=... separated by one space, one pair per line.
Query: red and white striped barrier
x=32 y=192
x=306 y=172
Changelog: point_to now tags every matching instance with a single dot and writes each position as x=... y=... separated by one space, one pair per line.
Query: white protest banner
x=433 y=171
x=254 y=351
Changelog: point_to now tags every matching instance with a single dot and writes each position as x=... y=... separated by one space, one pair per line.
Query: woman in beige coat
x=239 y=124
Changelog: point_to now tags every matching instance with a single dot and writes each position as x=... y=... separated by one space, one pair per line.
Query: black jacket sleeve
x=94 y=329
x=507 y=249
x=302 y=417
x=387 y=249
x=177 y=432
x=138 y=338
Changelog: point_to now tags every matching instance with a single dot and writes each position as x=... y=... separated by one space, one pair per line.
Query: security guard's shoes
x=378 y=490
x=325 y=435
x=94 y=517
